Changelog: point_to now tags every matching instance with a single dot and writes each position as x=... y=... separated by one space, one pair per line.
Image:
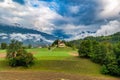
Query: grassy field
x=56 y=60
x=2 y=51
x=55 y=54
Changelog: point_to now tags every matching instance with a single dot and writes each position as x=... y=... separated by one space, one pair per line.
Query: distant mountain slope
x=13 y=29
x=112 y=39
x=27 y=36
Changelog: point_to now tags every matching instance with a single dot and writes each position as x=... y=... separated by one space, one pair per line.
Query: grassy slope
x=2 y=51
x=58 y=60
x=55 y=54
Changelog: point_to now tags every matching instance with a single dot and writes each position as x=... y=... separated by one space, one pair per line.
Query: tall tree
x=17 y=55
x=3 y=45
x=85 y=48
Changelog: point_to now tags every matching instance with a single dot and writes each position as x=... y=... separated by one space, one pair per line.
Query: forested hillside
x=104 y=50
x=112 y=39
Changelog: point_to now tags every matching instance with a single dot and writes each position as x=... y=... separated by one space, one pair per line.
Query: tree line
x=115 y=38
x=104 y=50
x=4 y=46
x=103 y=53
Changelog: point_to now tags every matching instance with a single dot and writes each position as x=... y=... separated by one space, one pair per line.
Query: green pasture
x=2 y=51
x=53 y=54
x=58 y=60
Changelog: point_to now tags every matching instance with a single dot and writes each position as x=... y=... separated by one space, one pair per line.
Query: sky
x=68 y=18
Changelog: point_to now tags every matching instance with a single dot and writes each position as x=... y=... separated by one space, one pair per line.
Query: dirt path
x=73 y=54
x=46 y=76
x=2 y=55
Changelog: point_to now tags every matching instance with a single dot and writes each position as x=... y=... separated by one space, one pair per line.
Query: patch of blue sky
x=22 y=2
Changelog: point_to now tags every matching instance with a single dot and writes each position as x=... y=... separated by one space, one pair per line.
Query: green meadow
x=58 y=59
x=2 y=51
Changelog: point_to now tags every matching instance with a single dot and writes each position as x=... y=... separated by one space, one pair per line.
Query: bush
x=3 y=45
x=113 y=69
x=104 y=70
x=17 y=56
x=29 y=46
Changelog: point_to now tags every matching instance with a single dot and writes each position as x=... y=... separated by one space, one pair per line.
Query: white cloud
x=29 y=16
x=74 y=9
x=41 y=18
x=23 y=37
x=4 y=37
x=109 y=8
x=108 y=29
x=81 y=31
x=77 y=29
x=80 y=36
x=3 y=34
x=18 y=36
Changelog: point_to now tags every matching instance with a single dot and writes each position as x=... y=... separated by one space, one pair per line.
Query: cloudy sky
x=63 y=17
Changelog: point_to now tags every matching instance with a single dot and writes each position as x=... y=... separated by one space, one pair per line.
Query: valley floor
x=58 y=64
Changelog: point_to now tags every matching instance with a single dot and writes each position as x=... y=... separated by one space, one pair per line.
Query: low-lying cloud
x=24 y=37
x=109 y=29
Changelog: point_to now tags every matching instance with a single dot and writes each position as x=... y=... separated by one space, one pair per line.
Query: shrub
x=3 y=45
x=104 y=70
x=17 y=55
x=113 y=69
x=29 y=46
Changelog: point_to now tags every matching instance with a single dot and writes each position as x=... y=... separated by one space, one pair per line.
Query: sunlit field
x=57 y=60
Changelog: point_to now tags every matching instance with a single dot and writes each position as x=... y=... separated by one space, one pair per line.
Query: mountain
x=115 y=38
x=111 y=38
x=27 y=36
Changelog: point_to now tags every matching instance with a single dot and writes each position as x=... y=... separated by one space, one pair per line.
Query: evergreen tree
x=3 y=45
x=85 y=48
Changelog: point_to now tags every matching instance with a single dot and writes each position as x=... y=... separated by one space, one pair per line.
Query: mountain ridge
x=114 y=38
x=27 y=36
